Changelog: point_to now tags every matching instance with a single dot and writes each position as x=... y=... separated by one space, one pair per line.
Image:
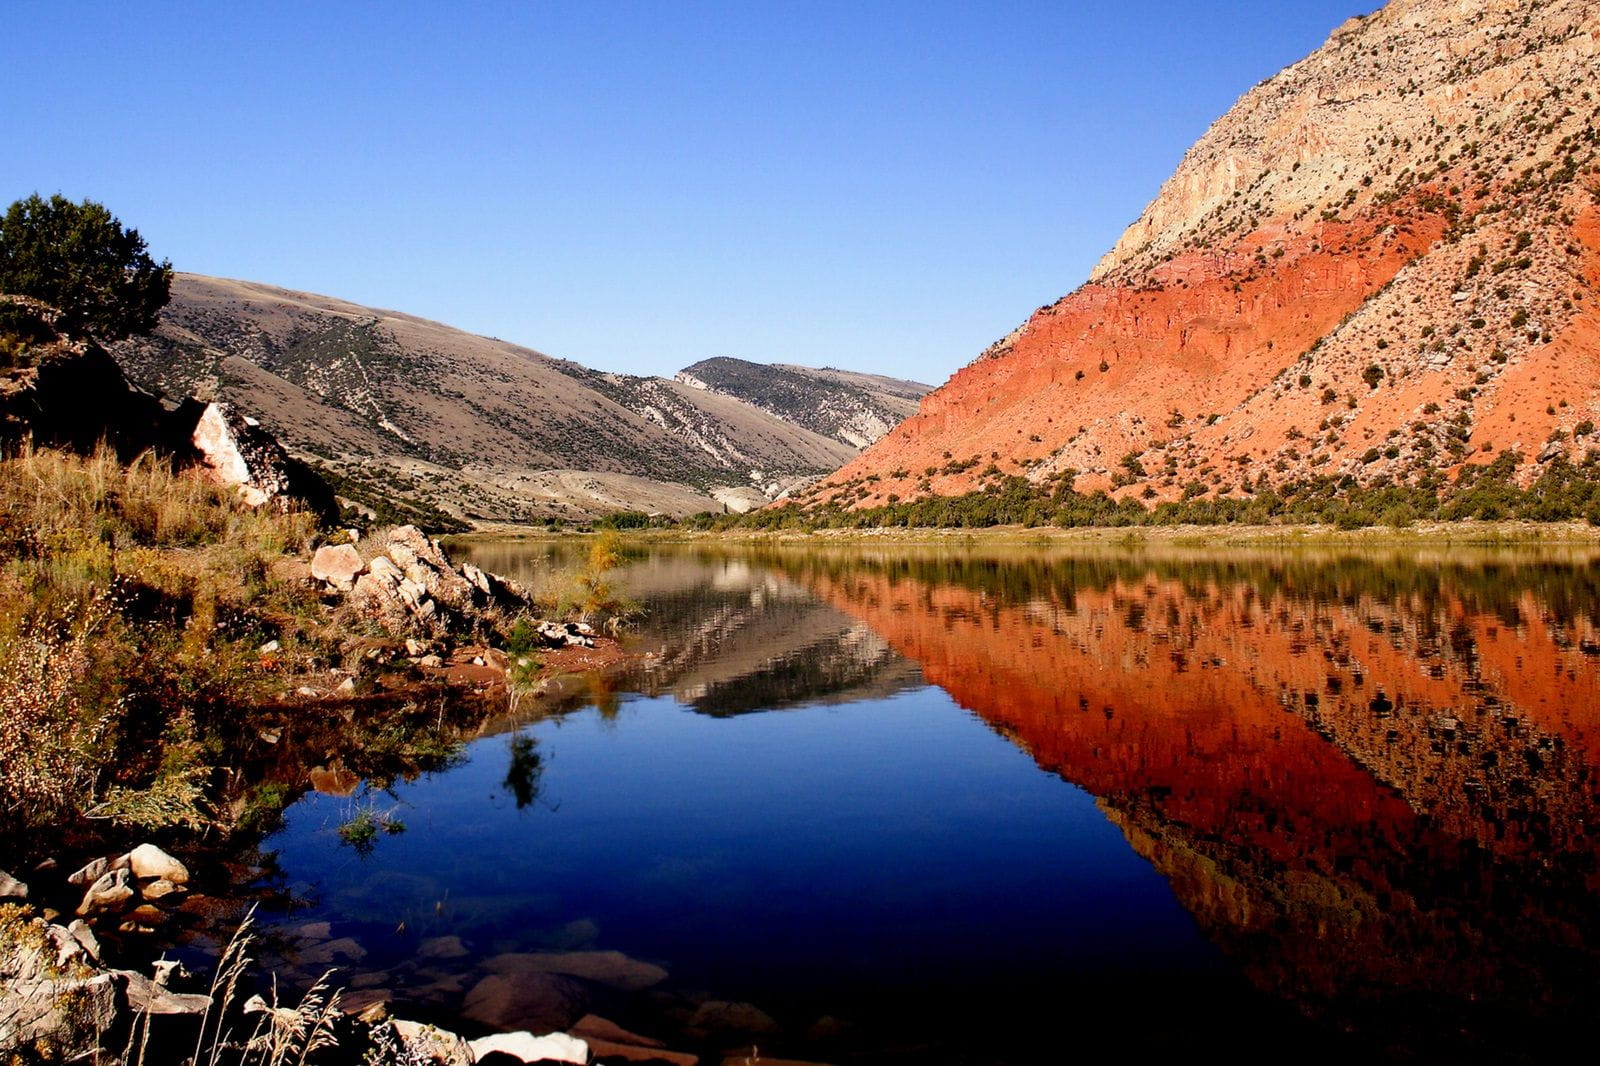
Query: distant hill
x=856 y=409
x=1380 y=267
x=400 y=408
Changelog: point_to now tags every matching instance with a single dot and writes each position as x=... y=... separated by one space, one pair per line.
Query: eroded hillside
x=1381 y=264
x=399 y=407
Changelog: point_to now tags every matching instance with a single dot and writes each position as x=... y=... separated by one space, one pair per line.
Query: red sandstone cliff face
x=1382 y=262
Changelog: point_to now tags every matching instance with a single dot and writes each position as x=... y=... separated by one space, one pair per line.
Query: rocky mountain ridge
x=1380 y=264
x=396 y=407
x=857 y=409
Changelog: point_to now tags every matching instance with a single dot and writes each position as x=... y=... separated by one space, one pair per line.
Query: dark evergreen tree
x=79 y=259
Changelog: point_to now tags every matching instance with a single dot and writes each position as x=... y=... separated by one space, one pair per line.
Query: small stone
x=593 y=1026
x=347 y=687
x=113 y=889
x=11 y=888
x=161 y=888
x=430 y=662
x=84 y=935
x=270 y=647
x=416 y=648
x=148 y=861
x=425 y=1043
x=313 y=930
x=554 y=1047
x=147 y=914
x=338 y=565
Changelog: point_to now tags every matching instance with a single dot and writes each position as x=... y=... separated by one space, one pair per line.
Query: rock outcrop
x=1383 y=262
x=69 y=393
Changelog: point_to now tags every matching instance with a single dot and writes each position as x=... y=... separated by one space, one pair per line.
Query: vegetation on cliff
x=1556 y=491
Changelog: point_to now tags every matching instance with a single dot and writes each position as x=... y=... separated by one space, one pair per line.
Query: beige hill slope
x=486 y=430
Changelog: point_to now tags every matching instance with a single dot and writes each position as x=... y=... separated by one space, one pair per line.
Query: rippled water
x=1011 y=806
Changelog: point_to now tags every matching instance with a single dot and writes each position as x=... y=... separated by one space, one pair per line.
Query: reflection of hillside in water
x=1373 y=783
x=731 y=638
x=725 y=637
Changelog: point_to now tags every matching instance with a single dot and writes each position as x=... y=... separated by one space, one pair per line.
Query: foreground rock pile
x=403 y=580
x=56 y=993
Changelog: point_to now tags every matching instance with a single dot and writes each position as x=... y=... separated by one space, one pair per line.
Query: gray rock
x=112 y=890
x=342 y=950
x=148 y=997
x=84 y=935
x=11 y=888
x=69 y=1014
x=161 y=888
x=90 y=872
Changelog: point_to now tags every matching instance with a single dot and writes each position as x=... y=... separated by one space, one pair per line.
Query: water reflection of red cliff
x=1354 y=796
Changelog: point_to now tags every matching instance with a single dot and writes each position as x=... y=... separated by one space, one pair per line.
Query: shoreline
x=1466 y=533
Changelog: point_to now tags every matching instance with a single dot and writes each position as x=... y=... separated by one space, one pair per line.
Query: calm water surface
x=1012 y=807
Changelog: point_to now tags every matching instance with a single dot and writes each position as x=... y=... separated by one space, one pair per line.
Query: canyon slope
x=1381 y=264
x=401 y=411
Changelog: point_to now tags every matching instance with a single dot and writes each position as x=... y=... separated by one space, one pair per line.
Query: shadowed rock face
x=1381 y=262
x=1373 y=786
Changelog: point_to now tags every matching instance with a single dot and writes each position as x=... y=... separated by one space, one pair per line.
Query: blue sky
x=879 y=186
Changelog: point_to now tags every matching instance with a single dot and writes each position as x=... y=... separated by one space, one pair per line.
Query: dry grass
x=131 y=599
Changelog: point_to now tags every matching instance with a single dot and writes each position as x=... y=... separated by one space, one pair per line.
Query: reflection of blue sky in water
x=807 y=861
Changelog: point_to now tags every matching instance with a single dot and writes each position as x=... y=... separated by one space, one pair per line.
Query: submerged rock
x=610 y=968
x=716 y=1016
x=534 y=1000
x=11 y=888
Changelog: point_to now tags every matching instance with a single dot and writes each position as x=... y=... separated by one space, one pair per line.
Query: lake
x=1012 y=805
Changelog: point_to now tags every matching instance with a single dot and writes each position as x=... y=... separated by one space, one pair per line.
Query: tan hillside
x=1381 y=263
x=482 y=428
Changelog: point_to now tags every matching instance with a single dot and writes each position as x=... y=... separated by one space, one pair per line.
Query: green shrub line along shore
x=1560 y=492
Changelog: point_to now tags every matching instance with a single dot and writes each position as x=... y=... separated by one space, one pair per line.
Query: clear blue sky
x=636 y=186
